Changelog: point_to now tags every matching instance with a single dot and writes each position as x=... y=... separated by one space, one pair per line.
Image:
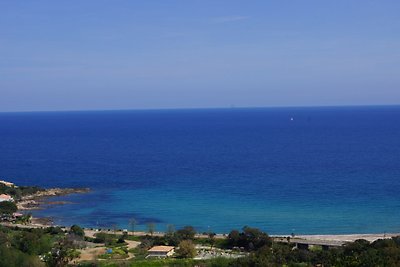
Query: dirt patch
x=90 y=254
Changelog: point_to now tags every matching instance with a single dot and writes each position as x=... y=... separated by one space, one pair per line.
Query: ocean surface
x=284 y=170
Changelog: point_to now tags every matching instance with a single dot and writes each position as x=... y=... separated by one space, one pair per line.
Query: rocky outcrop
x=34 y=201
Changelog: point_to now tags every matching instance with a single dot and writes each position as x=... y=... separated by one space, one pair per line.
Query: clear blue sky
x=73 y=55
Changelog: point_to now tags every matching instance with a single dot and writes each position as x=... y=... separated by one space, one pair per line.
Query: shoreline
x=42 y=200
x=37 y=200
x=339 y=238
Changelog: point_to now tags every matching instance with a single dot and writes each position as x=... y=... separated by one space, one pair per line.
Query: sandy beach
x=348 y=237
x=338 y=238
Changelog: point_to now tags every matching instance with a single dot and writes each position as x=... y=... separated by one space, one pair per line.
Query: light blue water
x=329 y=170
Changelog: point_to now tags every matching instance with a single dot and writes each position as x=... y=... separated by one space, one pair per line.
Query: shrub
x=77 y=230
x=186 y=249
x=7 y=207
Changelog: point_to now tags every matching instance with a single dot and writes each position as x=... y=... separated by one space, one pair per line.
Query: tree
x=7 y=207
x=11 y=257
x=4 y=239
x=132 y=224
x=62 y=253
x=115 y=228
x=25 y=219
x=103 y=238
x=170 y=229
x=186 y=249
x=186 y=233
x=233 y=238
x=211 y=239
x=255 y=239
x=77 y=230
x=170 y=237
x=28 y=242
x=151 y=227
x=249 y=238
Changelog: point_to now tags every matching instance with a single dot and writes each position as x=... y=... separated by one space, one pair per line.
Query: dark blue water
x=329 y=170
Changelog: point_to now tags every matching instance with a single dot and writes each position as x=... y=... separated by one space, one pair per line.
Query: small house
x=161 y=251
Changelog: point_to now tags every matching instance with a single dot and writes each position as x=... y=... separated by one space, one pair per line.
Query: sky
x=94 y=54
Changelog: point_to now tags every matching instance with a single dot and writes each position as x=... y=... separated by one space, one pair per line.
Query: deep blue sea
x=284 y=170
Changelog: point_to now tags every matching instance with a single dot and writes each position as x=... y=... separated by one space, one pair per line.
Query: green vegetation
x=151 y=227
x=54 y=246
x=23 y=246
x=186 y=233
x=7 y=207
x=77 y=230
x=115 y=253
x=250 y=239
x=24 y=219
x=20 y=191
x=170 y=262
x=165 y=262
x=171 y=237
x=360 y=253
x=264 y=252
x=186 y=249
x=11 y=257
x=62 y=252
x=110 y=240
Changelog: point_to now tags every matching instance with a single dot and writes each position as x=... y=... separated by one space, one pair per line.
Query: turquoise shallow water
x=329 y=170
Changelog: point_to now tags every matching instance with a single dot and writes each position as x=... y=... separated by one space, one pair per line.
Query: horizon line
x=202 y=108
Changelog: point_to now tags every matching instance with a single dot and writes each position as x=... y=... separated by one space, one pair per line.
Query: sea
x=300 y=170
